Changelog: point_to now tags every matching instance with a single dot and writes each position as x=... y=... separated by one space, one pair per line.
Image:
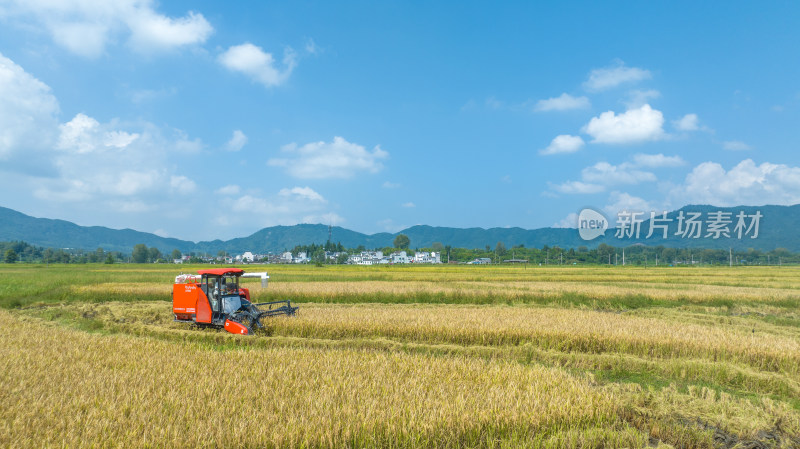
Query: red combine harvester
x=213 y=298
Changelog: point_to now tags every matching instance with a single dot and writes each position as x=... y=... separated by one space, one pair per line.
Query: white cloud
x=391 y=185
x=238 y=140
x=182 y=143
x=337 y=159
x=657 y=160
x=747 y=183
x=306 y=193
x=150 y=30
x=605 y=173
x=288 y=207
x=565 y=102
x=570 y=221
x=311 y=47
x=744 y=184
x=85 y=38
x=622 y=201
x=610 y=77
x=255 y=205
x=182 y=185
x=132 y=182
x=409 y=204
x=79 y=134
x=113 y=166
x=596 y=178
x=637 y=98
x=688 y=122
x=563 y=144
x=124 y=171
x=572 y=187
x=736 y=145
x=119 y=139
x=78 y=183
x=228 y=190
x=84 y=134
x=86 y=27
x=634 y=125
x=259 y=65
x=28 y=111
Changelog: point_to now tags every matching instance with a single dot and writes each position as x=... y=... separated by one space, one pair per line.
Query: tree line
x=630 y=255
x=19 y=251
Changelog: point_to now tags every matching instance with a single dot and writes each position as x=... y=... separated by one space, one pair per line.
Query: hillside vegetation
x=15 y=226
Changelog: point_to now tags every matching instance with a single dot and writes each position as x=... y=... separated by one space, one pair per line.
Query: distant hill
x=280 y=238
x=778 y=228
x=64 y=234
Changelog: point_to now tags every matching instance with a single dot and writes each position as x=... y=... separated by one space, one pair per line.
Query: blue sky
x=203 y=120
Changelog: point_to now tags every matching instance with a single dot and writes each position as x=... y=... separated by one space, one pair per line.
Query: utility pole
x=616 y=259
x=656 y=259
x=730 y=256
x=561 y=259
x=623 y=257
x=609 y=258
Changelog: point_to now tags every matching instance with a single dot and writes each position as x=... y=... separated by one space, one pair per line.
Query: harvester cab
x=214 y=298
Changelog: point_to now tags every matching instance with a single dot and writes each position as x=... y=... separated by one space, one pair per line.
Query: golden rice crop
x=69 y=388
x=772 y=348
x=705 y=357
x=549 y=328
x=551 y=336
x=513 y=292
x=519 y=290
x=753 y=276
x=66 y=388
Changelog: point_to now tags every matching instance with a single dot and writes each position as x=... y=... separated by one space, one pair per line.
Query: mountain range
x=777 y=227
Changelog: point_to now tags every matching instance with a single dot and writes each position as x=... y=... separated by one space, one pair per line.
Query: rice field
x=580 y=357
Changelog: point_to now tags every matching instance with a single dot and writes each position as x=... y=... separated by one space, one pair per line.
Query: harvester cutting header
x=214 y=298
